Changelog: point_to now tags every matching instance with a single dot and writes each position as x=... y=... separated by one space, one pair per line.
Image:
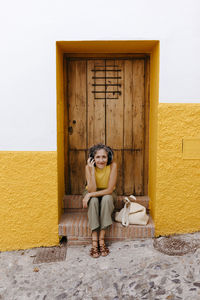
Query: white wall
x=29 y=30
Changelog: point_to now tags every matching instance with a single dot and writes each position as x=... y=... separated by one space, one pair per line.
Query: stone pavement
x=133 y=270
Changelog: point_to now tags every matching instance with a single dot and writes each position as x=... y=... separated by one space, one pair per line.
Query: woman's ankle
x=101 y=237
x=101 y=241
x=95 y=243
x=95 y=238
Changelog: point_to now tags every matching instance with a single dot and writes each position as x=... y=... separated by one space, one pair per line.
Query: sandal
x=103 y=249
x=94 y=251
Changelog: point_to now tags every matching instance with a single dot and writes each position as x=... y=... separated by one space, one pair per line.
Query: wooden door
x=107 y=102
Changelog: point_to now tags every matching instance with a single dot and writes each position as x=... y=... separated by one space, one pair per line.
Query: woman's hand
x=90 y=175
x=85 y=200
x=90 y=162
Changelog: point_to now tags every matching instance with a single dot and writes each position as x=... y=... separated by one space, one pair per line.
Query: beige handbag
x=132 y=213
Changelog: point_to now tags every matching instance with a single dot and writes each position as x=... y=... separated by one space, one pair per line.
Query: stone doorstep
x=74 y=225
x=85 y=242
x=75 y=201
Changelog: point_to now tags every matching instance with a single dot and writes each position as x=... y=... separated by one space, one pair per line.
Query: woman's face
x=101 y=158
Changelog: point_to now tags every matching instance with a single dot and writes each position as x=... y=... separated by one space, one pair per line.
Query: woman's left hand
x=85 y=200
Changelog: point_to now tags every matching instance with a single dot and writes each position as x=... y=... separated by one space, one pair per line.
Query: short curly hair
x=93 y=150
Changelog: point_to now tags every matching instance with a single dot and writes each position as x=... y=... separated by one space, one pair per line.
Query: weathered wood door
x=107 y=102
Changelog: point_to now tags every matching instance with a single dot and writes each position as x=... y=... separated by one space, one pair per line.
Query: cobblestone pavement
x=133 y=270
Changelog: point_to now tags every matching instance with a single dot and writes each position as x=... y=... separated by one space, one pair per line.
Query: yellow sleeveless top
x=102 y=177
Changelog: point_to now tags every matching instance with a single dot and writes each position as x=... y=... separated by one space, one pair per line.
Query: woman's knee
x=94 y=201
x=107 y=200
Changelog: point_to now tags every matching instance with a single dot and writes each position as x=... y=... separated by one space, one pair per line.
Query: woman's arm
x=90 y=176
x=108 y=191
x=111 y=183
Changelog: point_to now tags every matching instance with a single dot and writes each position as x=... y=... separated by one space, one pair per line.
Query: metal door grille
x=107 y=85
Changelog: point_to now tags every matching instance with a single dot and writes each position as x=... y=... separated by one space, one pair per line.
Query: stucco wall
x=177 y=202
x=29 y=206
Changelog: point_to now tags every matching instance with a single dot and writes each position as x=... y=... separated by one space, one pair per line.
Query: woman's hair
x=93 y=150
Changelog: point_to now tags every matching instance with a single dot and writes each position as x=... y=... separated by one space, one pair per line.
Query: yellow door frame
x=128 y=47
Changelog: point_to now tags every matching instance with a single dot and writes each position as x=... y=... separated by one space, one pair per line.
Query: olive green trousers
x=100 y=211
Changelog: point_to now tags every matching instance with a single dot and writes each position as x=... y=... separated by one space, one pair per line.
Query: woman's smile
x=101 y=158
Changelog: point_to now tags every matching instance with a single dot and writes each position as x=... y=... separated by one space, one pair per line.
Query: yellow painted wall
x=177 y=202
x=153 y=124
x=29 y=200
x=60 y=127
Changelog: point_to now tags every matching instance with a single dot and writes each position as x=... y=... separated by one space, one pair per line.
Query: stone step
x=75 y=202
x=74 y=225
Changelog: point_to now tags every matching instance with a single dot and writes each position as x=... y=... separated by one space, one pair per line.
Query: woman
x=99 y=197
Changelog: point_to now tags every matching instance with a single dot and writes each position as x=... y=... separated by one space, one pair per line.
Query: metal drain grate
x=53 y=254
x=174 y=246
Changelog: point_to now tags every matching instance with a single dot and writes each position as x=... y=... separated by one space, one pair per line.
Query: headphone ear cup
x=111 y=156
x=91 y=155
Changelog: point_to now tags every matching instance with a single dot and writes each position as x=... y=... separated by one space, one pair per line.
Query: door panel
x=96 y=102
x=138 y=124
x=77 y=125
x=114 y=104
x=107 y=103
x=77 y=104
x=119 y=158
x=77 y=171
x=128 y=104
x=114 y=114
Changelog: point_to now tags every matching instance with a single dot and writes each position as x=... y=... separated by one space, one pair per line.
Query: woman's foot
x=94 y=251
x=103 y=248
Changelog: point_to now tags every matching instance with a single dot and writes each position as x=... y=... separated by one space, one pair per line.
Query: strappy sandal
x=94 y=251
x=103 y=249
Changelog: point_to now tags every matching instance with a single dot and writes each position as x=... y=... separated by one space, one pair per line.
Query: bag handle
x=125 y=215
x=126 y=210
